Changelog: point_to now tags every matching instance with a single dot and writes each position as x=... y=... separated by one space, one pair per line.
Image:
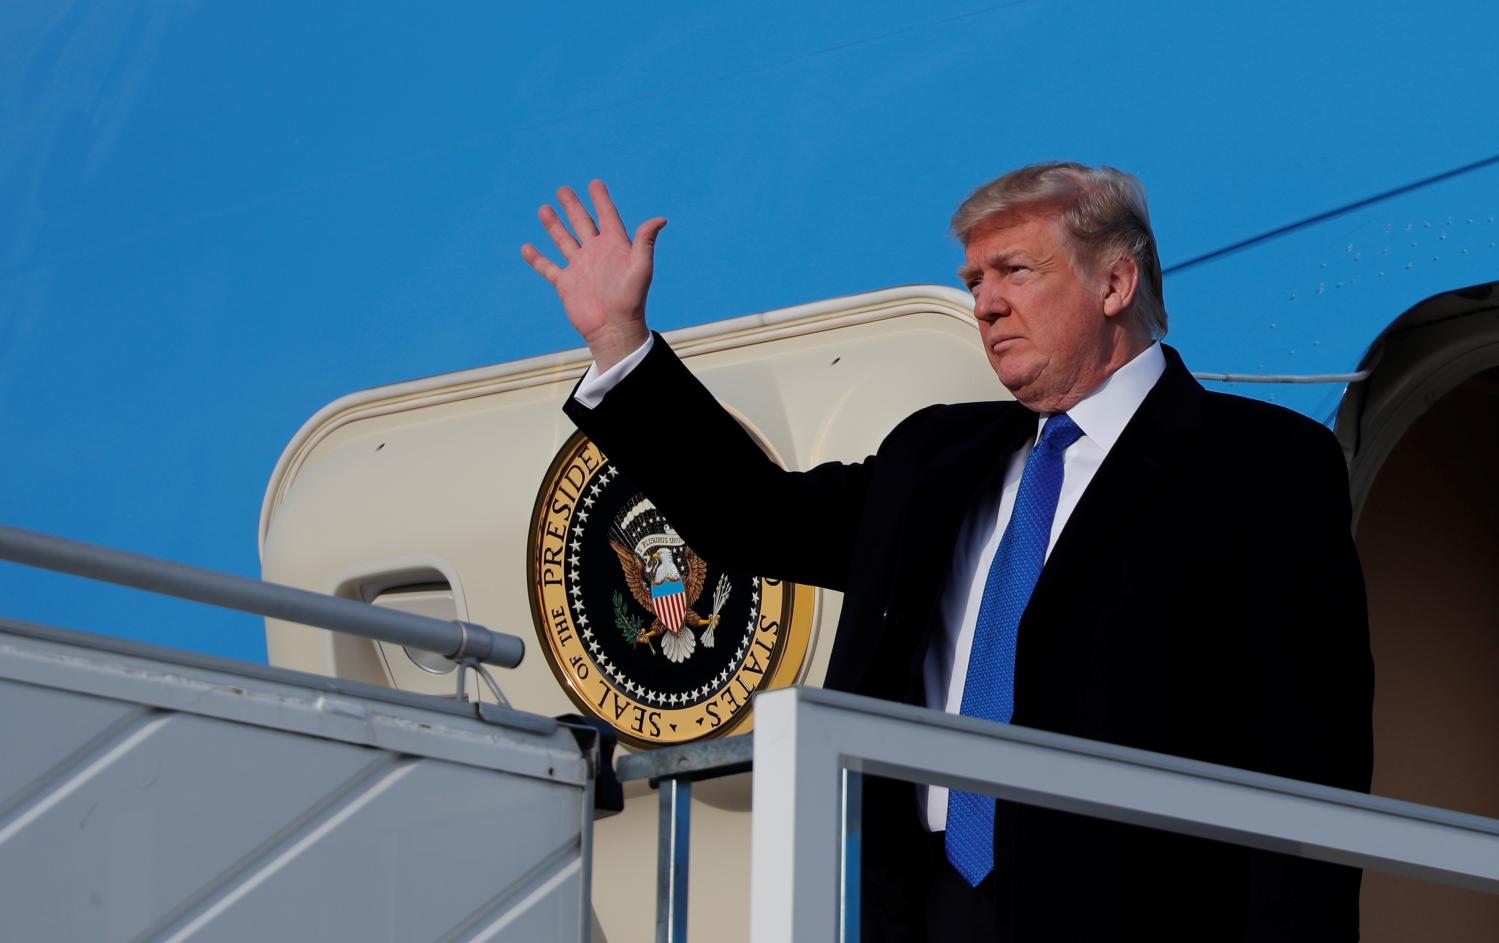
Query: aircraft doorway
x=1428 y=535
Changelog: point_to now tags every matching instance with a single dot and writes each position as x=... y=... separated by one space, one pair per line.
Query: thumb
x=645 y=236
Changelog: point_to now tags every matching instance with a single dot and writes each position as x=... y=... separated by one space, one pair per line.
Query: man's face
x=1043 y=324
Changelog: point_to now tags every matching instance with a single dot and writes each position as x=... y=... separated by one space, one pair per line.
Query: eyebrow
x=1003 y=257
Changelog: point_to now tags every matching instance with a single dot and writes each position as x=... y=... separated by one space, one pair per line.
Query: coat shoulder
x=1279 y=454
x=944 y=421
x=1257 y=423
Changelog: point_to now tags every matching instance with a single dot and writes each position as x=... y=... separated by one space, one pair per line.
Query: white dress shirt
x=1102 y=416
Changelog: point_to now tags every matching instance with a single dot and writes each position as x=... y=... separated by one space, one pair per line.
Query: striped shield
x=670 y=599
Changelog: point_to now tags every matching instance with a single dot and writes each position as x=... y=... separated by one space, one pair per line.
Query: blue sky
x=219 y=217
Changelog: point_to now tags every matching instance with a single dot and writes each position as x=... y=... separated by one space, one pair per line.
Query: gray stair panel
x=151 y=797
x=40 y=728
x=426 y=844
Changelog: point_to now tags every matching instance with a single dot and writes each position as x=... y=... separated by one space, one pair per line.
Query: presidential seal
x=640 y=629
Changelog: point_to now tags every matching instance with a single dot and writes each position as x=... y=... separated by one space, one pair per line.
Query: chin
x=1014 y=378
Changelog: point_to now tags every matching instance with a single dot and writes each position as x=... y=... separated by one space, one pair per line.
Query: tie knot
x=1060 y=432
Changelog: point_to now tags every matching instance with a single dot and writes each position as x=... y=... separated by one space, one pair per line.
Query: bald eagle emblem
x=666 y=578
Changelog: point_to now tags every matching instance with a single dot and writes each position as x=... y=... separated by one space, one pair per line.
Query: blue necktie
x=989 y=686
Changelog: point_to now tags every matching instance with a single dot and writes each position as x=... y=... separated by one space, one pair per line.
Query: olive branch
x=630 y=625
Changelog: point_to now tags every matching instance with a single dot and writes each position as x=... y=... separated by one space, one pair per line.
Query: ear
x=1123 y=278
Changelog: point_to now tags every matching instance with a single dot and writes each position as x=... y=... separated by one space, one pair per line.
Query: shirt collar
x=1103 y=413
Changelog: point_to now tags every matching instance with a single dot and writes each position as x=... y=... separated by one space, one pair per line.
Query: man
x=1118 y=555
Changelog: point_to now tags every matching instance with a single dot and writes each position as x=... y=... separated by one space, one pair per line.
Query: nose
x=989 y=302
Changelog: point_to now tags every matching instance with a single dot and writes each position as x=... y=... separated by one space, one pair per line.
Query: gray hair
x=1103 y=210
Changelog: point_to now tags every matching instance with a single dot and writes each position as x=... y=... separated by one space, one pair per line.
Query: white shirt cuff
x=595 y=386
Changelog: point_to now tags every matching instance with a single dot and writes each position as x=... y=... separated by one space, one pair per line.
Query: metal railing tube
x=673 y=838
x=456 y=640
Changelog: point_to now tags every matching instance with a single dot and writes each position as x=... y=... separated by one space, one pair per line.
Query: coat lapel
x=941 y=498
x=1130 y=477
x=948 y=484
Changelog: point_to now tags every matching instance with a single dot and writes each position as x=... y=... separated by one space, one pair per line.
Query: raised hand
x=607 y=275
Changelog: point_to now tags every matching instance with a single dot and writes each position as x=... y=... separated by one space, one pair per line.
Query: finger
x=548 y=269
x=577 y=214
x=555 y=228
x=645 y=237
x=609 y=220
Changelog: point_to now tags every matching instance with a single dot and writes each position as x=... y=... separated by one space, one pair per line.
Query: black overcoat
x=1204 y=600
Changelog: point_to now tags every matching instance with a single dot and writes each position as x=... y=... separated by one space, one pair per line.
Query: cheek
x=1064 y=331
x=1040 y=331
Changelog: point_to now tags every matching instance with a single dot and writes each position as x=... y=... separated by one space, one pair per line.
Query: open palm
x=604 y=283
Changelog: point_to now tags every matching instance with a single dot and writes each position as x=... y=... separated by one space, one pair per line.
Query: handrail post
x=795 y=831
x=673 y=838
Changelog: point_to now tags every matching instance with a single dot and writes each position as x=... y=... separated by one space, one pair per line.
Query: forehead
x=1035 y=235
